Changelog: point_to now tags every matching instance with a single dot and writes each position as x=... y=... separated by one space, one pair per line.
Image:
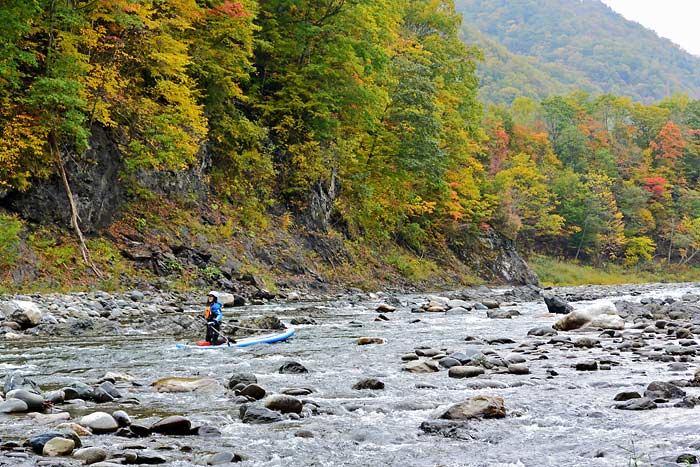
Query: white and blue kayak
x=246 y=342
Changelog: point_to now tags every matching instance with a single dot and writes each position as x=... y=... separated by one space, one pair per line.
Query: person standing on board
x=213 y=315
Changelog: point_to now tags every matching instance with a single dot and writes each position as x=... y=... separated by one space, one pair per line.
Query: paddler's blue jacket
x=213 y=312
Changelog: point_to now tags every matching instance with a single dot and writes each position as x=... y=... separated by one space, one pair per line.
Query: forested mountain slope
x=575 y=44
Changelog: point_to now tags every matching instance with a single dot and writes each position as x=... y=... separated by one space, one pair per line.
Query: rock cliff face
x=100 y=187
x=495 y=259
x=98 y=193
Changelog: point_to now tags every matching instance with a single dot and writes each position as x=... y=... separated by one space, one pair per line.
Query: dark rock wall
x=98 y=193
x=101 y=188
x=495 y=259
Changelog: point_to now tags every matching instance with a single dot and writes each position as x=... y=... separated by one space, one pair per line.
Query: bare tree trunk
x=53 y=145
x=670 y=242
x=583 y=236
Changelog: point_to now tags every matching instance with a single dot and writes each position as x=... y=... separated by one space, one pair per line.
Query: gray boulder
x=283 y=403
x=556 y=304
x=476 y=407
x=258 y=415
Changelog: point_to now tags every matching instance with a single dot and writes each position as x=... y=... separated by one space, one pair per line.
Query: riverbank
x=390 y=379
x=561 y=273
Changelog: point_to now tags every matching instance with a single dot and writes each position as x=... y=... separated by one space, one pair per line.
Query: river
x=567 y=419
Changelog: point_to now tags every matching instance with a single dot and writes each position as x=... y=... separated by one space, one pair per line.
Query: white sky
x=678 y=20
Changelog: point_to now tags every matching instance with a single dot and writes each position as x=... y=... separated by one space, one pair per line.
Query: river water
x=566 y=419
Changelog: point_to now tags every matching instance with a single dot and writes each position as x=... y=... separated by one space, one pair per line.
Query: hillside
x=572 y=44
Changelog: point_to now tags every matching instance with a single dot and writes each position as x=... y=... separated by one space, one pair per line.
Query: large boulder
x=602 y=315
x=662 y=390
x=556 y=304
x=476 y=407
x=26 y=314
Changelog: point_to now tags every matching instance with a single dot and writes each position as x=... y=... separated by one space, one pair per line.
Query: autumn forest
x=376 y=101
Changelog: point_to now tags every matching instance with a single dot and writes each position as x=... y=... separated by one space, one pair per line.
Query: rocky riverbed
x=477 y=377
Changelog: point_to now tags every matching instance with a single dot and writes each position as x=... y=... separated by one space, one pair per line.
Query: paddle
x=228 y=341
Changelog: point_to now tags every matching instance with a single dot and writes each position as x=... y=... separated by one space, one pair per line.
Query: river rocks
x=13 y=406
x=518 y=369
x=586 y=343
x=490 y=303
x=58 y=447
x=263 y=322
x=122 y=418
x=108 y=388
x=100 y=422
x=292 y=367
x=78 y=390
x=420 y=367
x=15 y=380
x=587 y=366
x=465 y=371
x=185 y=384
x=502 y=314
x=456 y=303
x=368 y=383
x=173 y=425
x=574 y=320
x=427 y=352
x=627 y=395
x=74 y=427
x=449 y=362
x=476 y=407
x=90 y=455
x=302 y=320
x=258 y=415
x=253 y=391
x=241 y=378
x=283 y=403
x=26 y=314
x=643 y=403
x=224 y=457
x=607 y=321
x=297 y=392
x=369 y=340
x=542 y=331
x=661 y=390
x=556 y=304
x=38 y=442
x=384 y=308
